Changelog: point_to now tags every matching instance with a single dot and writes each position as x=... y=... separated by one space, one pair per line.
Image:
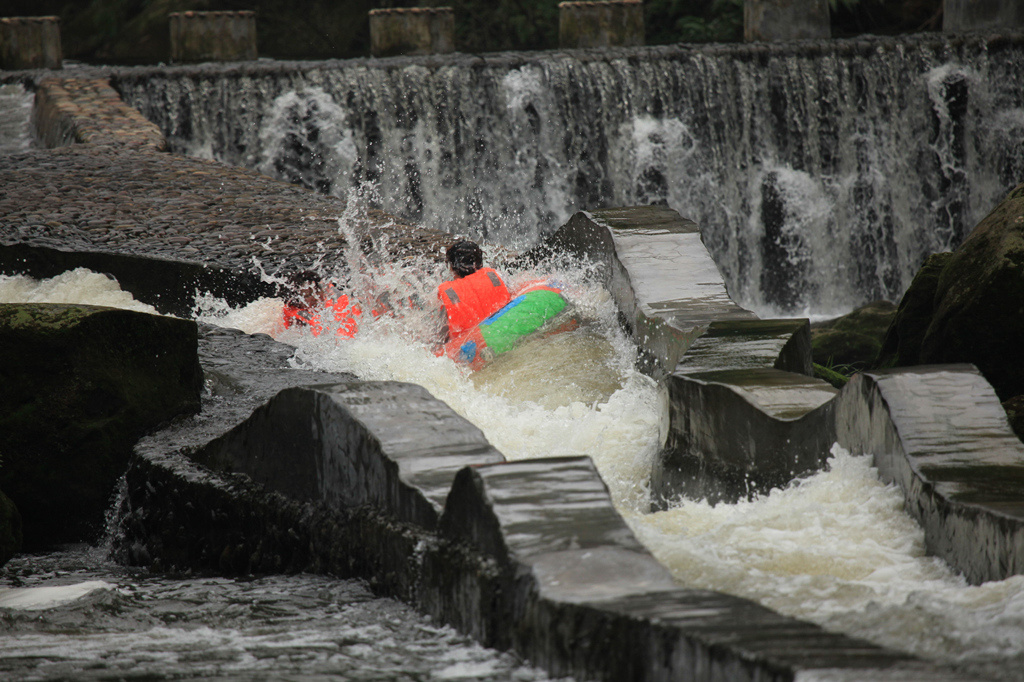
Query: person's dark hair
x=296 y=282
x=465 y=257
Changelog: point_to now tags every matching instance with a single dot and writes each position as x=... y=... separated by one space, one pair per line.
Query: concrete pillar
x=616 y=23
x=30 y=43
x=412 y=31
x=213 y=36
x=959 y=16
x=785 y=20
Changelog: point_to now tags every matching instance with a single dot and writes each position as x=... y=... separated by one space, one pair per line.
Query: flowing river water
x=834 y=548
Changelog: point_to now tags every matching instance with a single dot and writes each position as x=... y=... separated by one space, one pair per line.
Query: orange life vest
x=344 y=315
x=469 y=300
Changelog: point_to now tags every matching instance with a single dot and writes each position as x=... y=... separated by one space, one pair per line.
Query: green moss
x=833 y=377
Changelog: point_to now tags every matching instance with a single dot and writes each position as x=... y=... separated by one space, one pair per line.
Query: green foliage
x=697 y=21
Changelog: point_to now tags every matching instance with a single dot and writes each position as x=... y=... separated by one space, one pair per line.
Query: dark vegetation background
x=137 y=31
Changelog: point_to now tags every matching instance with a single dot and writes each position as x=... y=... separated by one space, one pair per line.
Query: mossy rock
x=10 y=529
x=79 y=385
x=979 y=301
x=901 y=346
x=852 y=340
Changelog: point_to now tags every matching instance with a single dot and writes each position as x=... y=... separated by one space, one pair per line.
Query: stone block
x=213 y=36
x=389 y=445
x=770 y=20
x=751 y=344
x=995 y=16
x=737 y=432
x=170 y=286
x=30 y=43
x=412 y=31
x=79 y=385
x=569 y=588
x=940 y=433
x=616 y=23
x=661 y=276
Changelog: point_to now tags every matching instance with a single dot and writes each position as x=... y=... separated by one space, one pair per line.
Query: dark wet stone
x=80 y=385
x=901 y=345
x=663 y=280
x=1015 y=414
x=979 y=300
x=750 y=344
x=10 y=529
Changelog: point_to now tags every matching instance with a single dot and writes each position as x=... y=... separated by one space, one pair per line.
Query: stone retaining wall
x=89 y=111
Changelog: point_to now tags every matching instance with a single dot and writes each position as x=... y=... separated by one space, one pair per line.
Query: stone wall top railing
x=412 y=31
x=30 y=43
x=608 y=23
x=940 y=433
x=213 y=36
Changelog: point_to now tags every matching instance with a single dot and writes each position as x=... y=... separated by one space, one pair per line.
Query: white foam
x=47 y=597
x=74 y=286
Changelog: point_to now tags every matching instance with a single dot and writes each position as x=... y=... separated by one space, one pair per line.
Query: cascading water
x=821 y=175
x=15 y=118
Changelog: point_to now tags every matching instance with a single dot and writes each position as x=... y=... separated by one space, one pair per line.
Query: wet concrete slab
x=738 y=432
x=941 y=434
x=390 y=445
x=664 y=282
x=750 y=344
x=582 y=593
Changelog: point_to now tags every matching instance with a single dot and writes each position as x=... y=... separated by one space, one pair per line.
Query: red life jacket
x=345 y=316
x=294 y=315
x=471 y=299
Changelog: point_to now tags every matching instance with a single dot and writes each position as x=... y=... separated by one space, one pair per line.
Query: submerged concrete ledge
x=941 y=434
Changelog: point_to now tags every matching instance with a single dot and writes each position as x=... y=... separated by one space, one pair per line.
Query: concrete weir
x=528 y=556
x=293 y=470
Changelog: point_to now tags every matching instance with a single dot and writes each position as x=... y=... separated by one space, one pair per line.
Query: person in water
x=474 y=294
x=307 y=296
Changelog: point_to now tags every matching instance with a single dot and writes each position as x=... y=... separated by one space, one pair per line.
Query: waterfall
x=822 y=174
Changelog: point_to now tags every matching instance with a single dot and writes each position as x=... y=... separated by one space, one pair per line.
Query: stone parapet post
x=213 y=36
x=412 y=31
x=959 y=16
x=616 y=23
x=30 y=43
x=785 y=20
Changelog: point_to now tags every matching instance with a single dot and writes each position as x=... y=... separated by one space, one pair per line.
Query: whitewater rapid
x=835 y=548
